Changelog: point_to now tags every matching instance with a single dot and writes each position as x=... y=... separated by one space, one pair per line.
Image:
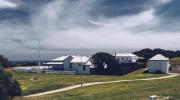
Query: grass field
x=43 y=83
x=139 y=90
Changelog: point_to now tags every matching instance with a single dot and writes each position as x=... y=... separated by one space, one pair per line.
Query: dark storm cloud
x=22 y=13
x=114 y=8
x=108 y=8
x=170 y=10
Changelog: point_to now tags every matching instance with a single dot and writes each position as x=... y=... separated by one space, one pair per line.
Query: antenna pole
x=81 y=73
x=39 y=54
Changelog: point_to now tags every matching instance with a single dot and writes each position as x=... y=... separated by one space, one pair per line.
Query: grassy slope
x=50 y=82
x=125 y=91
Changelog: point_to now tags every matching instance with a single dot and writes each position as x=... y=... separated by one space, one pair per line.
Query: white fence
x=42 y=70
x=60 y=72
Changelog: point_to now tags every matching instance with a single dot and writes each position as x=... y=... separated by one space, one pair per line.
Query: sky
x=86 y=26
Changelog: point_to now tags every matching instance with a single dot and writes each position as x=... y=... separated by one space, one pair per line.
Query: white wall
x=122 y=59
x=67 y=63
x=154 y=66
x=86 y=71
x=79 y=69
x=125 y=59
x=134 y=60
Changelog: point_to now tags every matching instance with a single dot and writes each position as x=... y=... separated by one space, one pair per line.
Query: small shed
x=158 y=63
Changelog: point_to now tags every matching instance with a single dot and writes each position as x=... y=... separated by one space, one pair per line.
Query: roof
x=126 y=54
x=80 y=59
x=159 y=57
x=89 y=63
x=62 y=58
x=54 y=63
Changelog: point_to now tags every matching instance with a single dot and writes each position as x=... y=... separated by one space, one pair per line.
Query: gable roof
x=89 y=63
x=159 y=57
x=80 y=59
x=62 y=58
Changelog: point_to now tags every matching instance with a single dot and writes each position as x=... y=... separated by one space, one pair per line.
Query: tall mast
x=81 y=74
x=39 y=54
x=81 y=60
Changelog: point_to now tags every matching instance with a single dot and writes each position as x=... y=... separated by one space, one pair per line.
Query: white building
x=126 y=57
x=158 y=63
x=80 y=64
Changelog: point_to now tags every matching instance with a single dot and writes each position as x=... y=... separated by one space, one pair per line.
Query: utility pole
x=81 y=74
x=39 y=54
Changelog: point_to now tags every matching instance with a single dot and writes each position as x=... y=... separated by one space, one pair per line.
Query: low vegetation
x=175 y=61
x=175 y=64
x=33 y=83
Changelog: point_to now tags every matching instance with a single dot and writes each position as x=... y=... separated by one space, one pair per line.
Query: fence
x=41 y=70
x=118 y=69
x=60 y=72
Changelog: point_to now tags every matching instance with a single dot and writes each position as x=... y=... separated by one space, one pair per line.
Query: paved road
x=96 y=83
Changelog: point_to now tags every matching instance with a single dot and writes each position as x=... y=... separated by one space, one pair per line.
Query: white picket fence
x=42 y=70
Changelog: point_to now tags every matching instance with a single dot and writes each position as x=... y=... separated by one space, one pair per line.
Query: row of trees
x=148 y=53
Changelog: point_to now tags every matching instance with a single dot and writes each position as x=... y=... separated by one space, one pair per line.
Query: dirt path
x=96 y=83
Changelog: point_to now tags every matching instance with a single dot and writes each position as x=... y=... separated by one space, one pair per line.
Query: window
x=70 y=65
x=84 y=68
x=61 y=67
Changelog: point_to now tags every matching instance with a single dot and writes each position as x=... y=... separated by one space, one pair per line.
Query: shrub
x=8 y=87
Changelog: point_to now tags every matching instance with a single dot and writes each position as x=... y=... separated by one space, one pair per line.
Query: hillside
x=33 y=83
x=139 y=90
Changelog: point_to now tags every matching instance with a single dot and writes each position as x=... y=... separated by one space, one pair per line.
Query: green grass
x=44 y=83
x=139 y=90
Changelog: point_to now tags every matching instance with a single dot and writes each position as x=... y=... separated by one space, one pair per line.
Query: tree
x=4 y=61
x=8 y=87
x=102 y=59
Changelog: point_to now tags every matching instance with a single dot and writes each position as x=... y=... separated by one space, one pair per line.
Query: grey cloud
x=84 y=24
